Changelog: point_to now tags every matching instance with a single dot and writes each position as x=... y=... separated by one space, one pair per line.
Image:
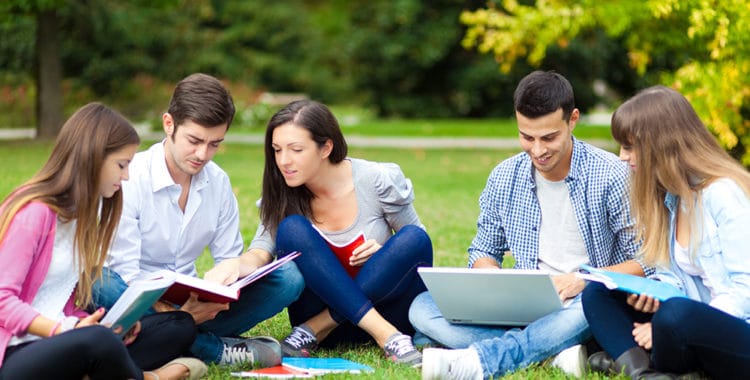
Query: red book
x=344 y=251
x=209 y=291
x=275 y=372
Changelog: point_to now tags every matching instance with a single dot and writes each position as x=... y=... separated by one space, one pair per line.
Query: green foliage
x=408 y=61
x=701 y=48
x=401 y=58
x=17 y=94
x=398 y=58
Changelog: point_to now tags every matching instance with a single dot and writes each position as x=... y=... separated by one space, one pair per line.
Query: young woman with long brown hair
x=55 y=231
x=314 y=193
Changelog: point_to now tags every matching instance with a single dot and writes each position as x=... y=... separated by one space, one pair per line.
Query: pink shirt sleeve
x=25 y=254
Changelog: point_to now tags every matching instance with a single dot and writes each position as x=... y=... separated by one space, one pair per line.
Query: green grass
x=352 y=124
x=447 y=185
x=454 y=128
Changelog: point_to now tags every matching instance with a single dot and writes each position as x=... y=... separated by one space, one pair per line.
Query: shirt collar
x=670 y=200
x=160 y=177
x=575 y=164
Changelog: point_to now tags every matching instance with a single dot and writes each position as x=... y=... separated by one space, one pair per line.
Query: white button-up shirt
x=154 y=233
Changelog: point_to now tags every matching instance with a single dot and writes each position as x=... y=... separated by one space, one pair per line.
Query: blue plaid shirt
x=510 y=215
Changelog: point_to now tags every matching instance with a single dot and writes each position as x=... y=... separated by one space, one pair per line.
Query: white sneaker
x=572 y=360
x=442 y=364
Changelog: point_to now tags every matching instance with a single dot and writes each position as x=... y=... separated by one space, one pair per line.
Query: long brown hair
x=69 y=184
x=676 y=154
x=279 y=200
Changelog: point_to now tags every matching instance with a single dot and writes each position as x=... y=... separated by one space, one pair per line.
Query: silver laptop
x=510 y=297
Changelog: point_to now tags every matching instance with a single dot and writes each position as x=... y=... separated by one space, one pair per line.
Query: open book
x=135 y=301
x=630 y=283
x=209 y=291
x=344 y=251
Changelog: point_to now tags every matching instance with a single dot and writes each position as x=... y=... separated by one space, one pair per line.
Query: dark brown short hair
x=201 y=99
x=544 y=92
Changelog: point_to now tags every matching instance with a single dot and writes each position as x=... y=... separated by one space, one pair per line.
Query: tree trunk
x=49 y=104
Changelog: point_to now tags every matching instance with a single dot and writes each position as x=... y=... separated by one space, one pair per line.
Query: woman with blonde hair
x=55 y=231
x=691 y=202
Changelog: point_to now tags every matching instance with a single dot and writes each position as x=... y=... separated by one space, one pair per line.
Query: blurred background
x=394 y=59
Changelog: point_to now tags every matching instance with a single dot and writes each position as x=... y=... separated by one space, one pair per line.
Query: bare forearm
x=486 y=262
x=629 y=267
x=252 y=259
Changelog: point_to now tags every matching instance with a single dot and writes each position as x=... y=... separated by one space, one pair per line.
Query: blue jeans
x=388 y=281
x=611 y=318
x=687 y=335
x=258 y=302
x=501 y=349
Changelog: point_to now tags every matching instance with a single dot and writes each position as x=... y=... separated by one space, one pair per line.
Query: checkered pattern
x=510 y=216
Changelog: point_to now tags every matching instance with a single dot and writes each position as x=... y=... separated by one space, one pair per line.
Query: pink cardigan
x=25 y=255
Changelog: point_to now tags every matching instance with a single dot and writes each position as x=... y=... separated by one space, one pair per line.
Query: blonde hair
x=675 y=154
x=69 y=184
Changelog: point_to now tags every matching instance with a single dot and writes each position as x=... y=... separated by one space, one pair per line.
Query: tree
x=49 y=101
x=47 y=65
x=699 y=47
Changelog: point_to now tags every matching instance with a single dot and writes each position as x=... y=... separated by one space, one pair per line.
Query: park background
x=405 y=68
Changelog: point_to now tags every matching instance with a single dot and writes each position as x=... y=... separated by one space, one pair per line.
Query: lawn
x=447 y=184
x=353 y=125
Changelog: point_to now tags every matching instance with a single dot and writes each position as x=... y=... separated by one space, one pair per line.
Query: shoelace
x=236 y=354
x=400 y=346
x=299 y=338
x=458 y=369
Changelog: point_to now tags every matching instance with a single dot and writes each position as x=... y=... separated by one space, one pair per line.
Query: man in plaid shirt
x=559 y=204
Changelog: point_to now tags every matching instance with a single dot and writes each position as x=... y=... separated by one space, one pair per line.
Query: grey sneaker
x=260 y=352
x=300 y=343
x=400 y=349
x=442 y=364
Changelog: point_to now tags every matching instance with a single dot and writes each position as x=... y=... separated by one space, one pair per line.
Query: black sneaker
x=400 y=349
x=300 y=343
x=260 y=352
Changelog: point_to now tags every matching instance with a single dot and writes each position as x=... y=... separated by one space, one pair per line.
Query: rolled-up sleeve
x=396 y=195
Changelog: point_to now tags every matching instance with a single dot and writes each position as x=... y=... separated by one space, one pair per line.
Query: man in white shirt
x=177 y=203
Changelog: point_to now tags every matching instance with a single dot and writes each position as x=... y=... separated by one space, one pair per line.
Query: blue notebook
x=318 y=366
x=630 y=283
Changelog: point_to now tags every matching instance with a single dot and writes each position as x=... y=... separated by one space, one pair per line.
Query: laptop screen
x=510 y=297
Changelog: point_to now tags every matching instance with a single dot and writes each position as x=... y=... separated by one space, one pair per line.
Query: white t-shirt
x=691 y=267
x=561 y=247
x=60 y=281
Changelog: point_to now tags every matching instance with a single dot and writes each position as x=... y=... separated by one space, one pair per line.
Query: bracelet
x=54 y=328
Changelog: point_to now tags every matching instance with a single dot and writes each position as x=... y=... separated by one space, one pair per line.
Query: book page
x=264 y=270
x=135 y=301
x=207 y=291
